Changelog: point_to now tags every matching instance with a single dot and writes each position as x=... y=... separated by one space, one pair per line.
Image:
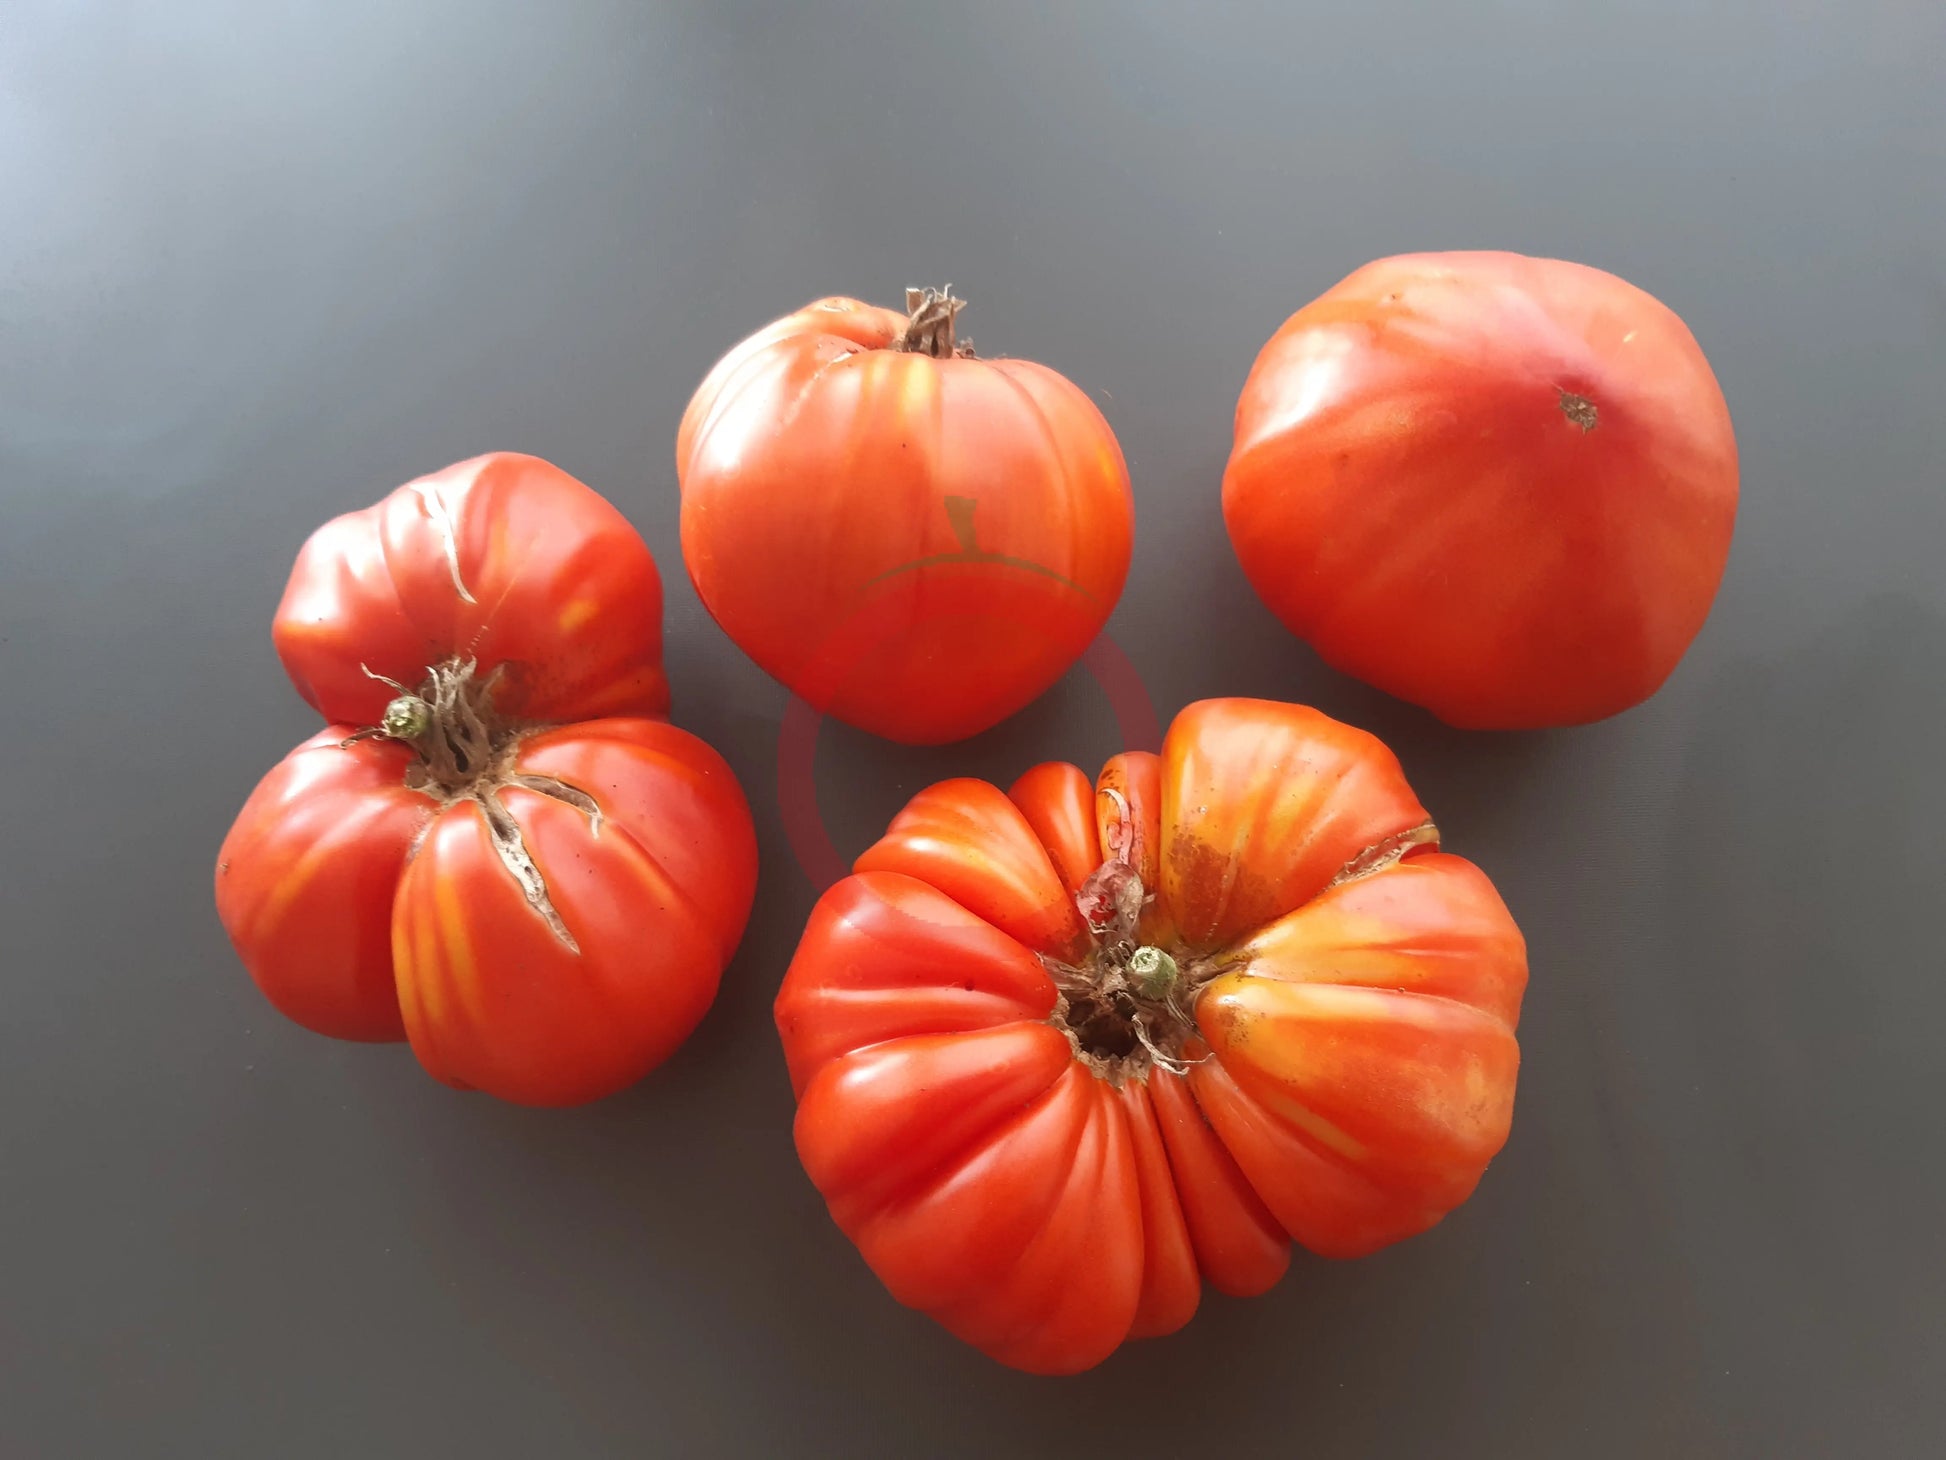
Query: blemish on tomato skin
x=1236 y=1024
x=1579 y=409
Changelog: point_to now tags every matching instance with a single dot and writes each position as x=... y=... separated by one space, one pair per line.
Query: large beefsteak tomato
x=912 y=539
x=1064 y=1052
x=499 y=849
x=1500 y=487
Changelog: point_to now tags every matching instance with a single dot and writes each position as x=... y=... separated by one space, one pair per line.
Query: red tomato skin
x=1171 y=1285
x=919 y=546
x=1350 y=1071
x=505 y=559
x=1500 y=487
x=367 y=907
x=305 y=879
x=495 y=1000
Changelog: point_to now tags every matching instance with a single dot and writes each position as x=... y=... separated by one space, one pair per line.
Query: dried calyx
x=1128 y=1004
x=450 y=720
x=931 y=315
x=465 y=751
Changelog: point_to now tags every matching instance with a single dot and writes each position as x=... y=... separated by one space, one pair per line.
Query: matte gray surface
x=261 y=262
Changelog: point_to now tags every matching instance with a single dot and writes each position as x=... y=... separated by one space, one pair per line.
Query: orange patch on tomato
x=459 y=959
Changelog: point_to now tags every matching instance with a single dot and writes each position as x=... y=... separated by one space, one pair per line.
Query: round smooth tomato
x=1065 y=1052
x=499 y=848
x=1499 y=487
x=911 y=538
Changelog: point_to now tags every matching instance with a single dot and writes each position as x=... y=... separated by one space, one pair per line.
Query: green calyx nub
x=407 y=718
x=1154 y=972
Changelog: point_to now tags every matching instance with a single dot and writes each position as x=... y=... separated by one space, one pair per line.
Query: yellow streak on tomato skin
x=1303 y=948
x=1314 y=1125
x=1236 y=1004
x=918 y=399
x=425 y=960
x=405 y=970
x=285 y=892
x=577 y=614
x=460 y=964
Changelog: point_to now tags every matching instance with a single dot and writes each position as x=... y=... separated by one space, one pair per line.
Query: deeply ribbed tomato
x=520 y=865
x=914 y=540
x=1063 y=1053
x=1499 y=487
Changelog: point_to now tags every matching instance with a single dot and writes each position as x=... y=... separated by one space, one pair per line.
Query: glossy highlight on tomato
x=911 y=538
x=499 y=848
x=1066 y=1052
x=1499 y=487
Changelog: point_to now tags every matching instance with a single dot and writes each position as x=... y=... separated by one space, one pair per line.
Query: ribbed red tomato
x=1500 y=487
x=912 y=539
x=1063 y=1053
x=499 y=849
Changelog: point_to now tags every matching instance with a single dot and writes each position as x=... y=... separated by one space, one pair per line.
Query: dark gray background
x=261 y=262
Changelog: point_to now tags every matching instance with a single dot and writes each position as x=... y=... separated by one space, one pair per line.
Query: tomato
x=912 y=539
x=1500 y=487
x=1065 y=1052
x=498 y=849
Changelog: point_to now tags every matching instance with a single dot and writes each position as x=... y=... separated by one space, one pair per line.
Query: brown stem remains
x=466 y=752
x=1125 y=1007
x=931 y=314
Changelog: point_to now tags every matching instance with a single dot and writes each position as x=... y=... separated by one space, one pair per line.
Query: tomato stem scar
x=1580 y=410
x=929 y=328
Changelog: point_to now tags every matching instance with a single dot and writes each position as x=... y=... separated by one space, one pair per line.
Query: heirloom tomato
x=1500 y=487
x=910 y=538
x=1062 y=1053
x=499 y=849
